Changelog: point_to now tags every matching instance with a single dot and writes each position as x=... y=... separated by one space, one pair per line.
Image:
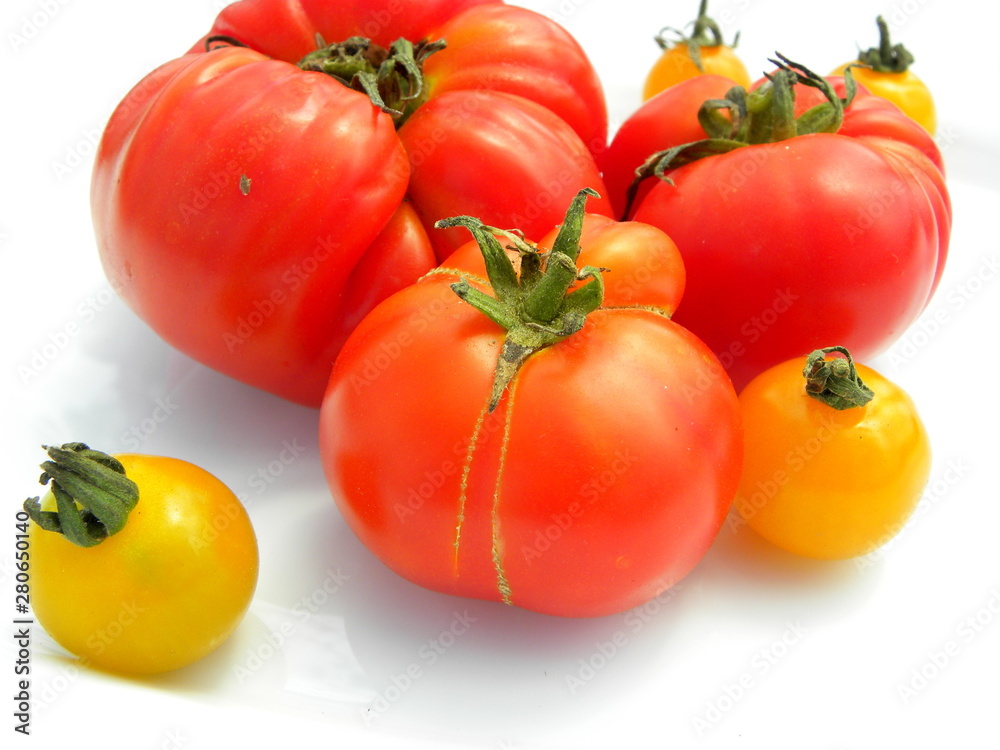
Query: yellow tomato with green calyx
x=701 y=53
x=834 y=462
x=885 y=71
x=139 y=564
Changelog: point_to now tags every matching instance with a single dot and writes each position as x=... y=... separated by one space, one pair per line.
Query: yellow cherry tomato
x=904 y=90
x=162 y=592
x=701 y=53
x=825 y=482
x=676 y=65
x=885 y=71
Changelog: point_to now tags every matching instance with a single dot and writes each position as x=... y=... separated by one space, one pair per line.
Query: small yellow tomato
x=885 y=71
x=701 y=53
x=825 y=482
x=676 y=64
x=162 y=592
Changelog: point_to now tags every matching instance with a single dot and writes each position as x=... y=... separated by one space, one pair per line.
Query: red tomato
x=667 y=119
x=252 y=211
x=816 y=237
x=600 y=478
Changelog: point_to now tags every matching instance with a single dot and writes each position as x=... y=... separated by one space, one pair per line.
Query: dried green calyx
x=835 y=381
x=93 y=495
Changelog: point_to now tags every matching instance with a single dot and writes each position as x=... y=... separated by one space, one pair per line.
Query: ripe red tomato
x=252 y=210
x=813 y=237
x=605 y=469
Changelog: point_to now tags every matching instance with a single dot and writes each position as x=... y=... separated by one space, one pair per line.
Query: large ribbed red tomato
x=801 y=220
x=574 y=455
x=254 y=198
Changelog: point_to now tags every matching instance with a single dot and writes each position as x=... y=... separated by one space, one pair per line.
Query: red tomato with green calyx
x=255 y=198
x=514 y=429
x=805 y=217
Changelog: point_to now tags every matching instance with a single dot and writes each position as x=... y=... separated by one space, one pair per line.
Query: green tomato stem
x=705 y=32
x=536 y=307
x=835 y=381
x=748 y=118
x=392 y=78
x=886 y=57
x=93 y=495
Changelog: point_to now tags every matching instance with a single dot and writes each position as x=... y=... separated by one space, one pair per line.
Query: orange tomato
x=676 y=64
x=824 y=482
x=703 y=52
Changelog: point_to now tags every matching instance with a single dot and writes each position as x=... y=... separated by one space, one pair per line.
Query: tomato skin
x=824 y=483
x=668 y=119
x=526 y=145
x=779 y=277
x=264 y=285
x=234 y=280
x=513 y=50
x=601 y=478
x=163 y=592
x=286 y=29
x=491 y=46
x=676 y=65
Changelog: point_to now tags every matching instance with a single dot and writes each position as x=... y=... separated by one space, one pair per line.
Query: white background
x=756 y=648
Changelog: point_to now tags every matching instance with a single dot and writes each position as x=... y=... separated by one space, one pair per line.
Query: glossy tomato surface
x=676 y=65
x=163 y=592
x=825 y=483
x=252 y=211
x=600 y=479
x=821 y=237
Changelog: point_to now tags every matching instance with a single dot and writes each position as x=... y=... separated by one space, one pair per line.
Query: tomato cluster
x=451 y=106
x=560 y=413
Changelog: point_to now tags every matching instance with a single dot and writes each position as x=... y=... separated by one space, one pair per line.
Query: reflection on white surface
x=304 y=654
